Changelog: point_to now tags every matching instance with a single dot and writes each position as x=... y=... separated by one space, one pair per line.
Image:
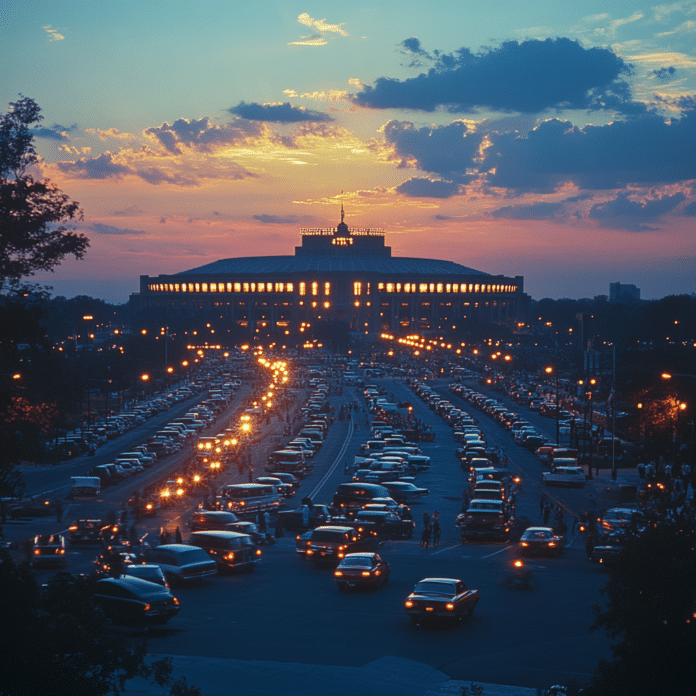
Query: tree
x=33 y=214
x=56 y=640
x=651 y=607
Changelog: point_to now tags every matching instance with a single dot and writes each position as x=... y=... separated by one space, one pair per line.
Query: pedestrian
x=346 y=467
x=547 y=514
x=437 y=531
x=27 y=549
x=426 y=520
x=425 y=537
x=305 y=516
x=164 y=536
x=266 y=520
x=542 y=503
x=279 y=527
x=177 y=536
x=59 y=512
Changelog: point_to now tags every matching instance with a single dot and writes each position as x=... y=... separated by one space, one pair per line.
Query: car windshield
x=327 y=536
x=440 y=588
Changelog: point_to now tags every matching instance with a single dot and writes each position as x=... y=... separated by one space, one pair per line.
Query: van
x=251 y=498
x=86 y=486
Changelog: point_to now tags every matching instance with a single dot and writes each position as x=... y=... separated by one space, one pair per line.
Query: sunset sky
x=553 y=140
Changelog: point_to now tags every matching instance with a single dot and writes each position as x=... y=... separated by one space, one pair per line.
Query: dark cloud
x=527 y=77
x=130 y=211
x=689 y=209
x=642 y=151
x=625 y=214
x=49 y=134
x=665 y=73
x=427 y=188
x=278 y=113
x=156 y=176
x=101 y=167
x=277 y=219
x=100 y=228
x=535 y=211
x=202 y=134
x=445 y=150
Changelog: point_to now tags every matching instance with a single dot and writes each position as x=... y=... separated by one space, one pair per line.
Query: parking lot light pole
x=551 y=371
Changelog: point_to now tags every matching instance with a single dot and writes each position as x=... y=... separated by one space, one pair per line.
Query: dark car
x=542 y=541
x=404 y=492
x=212 y=519
x=129 y=601
x=333 y=542
x=182 y=563
x=85 y=531
x=440 y=598
x=361 y=570
x=49 y=550
x=622 y=520
x=302 y=543
x=230 y=550
x=387 y=524
x=146 y=571
x=31 y=507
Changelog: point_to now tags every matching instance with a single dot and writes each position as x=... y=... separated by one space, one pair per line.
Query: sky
x=552 y=140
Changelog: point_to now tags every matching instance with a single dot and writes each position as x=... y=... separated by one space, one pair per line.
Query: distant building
x=622 y=292
x=338 y=274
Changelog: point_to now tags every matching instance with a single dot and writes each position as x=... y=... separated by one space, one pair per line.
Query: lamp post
x=551 y=371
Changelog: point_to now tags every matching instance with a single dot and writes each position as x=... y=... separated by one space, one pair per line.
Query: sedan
x=404 y=492
x=361 y=570
x=129 y=601
x=49 y=550
x=541 y=540
x=443 y=598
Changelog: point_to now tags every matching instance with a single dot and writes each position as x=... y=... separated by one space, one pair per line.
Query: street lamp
x=551 y=371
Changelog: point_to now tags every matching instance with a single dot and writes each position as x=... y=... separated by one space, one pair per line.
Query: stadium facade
x=337 y=274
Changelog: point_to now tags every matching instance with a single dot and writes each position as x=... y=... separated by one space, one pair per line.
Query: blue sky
x=545 y=139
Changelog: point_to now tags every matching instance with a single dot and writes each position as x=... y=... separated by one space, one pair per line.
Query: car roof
x=137 y=585
x=225 y=534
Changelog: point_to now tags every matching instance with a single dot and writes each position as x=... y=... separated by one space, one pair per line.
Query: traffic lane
x=290 y=610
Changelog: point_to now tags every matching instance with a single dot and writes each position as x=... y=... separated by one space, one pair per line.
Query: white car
x=568 y=476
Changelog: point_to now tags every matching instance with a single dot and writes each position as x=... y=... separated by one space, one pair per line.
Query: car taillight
x=338 y=573
x=552 y=543
x=524 y=543
x=449 y=606
x=408 y=603
x=37 y=552
x=258 y=552
x=147 y=607
x=230 y=556
x=60 y=551
x=73 y=528
x=176 y=601
x=365 y=573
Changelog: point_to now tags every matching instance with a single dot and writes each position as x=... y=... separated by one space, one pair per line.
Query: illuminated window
x=246 y=287
x=198 y=287
x=176 y=287
x=380 y=286
x=214 y=287
x=315 y=288
x=407 y=287
x=390 y=287
x=279 y=287
x=357 y=288
x=455 y=287
x=327 y=305
x=289 y=287
x=476 y=288
x=432 y=287
x=253 y=287
x=303 y=288
x=262 y=287
x=448 y=288
x=422 y=288
x=327 y=289
x=237 y=287
x=398 y=287
x=439 y=287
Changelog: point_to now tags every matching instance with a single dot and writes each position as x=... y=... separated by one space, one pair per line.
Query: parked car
x=129 y=601
x=334 y=542
x=211 y=519
x=85 y=531
x=566 y=476
x=361 y=570
x=229 y=550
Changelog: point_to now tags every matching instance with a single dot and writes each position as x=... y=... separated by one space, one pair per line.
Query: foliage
x=651 y=608
x=33 y=214
x=56 y=640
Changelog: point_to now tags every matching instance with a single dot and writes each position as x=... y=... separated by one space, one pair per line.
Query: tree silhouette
x=33 y=213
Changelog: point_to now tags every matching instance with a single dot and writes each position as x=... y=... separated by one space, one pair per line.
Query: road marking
x=495 y=553
x=445 y=549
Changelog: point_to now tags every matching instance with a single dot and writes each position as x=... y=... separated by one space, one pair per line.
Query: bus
x=251 y=498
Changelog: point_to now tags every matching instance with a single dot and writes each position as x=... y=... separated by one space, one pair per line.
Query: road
x=288 y=610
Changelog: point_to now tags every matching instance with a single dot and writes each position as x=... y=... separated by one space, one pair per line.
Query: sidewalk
x=387 y=676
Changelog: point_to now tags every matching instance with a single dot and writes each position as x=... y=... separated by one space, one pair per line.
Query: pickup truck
x=440 y=598
x=485 y=518
x=318 y=515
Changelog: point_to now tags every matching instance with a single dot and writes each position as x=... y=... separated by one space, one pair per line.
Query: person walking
x=425 y=537
x=279 y=527
x=437 y=531
x=177 y=536
x=547 y=514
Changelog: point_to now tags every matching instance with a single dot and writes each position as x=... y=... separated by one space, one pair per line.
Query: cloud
x=277 y=219
x=278 y=113
x=535 y=211
x=53 y=34
x=665 y=73
x=625 y=214
x=689 y=209
x=528 y=77
x=427 y=188
x=202 y=135
x=310 y=40
x=112 y=133
x=102 y=167
x=321 y=27
x=132 y=211
x=100 y=228
x=445 y=150
x=641 y=151
x=50 y=133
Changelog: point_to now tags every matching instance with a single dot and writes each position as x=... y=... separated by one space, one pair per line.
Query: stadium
x=339 y=274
